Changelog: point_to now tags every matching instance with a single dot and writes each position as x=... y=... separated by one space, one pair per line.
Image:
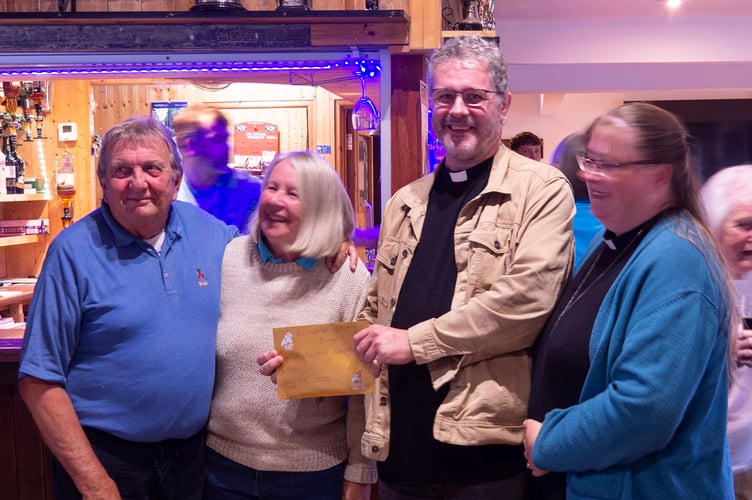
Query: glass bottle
x=18 y=181
x=10 y=167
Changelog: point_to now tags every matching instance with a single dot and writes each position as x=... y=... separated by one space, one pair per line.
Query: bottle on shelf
x=10 y=167
x=65 y=186
x=20 y=164
x=3 y=188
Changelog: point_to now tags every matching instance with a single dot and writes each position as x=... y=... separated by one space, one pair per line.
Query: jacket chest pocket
x=489 y=251
x=391 y=266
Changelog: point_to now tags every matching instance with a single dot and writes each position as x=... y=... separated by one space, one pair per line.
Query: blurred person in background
x=630 y=375
x=527 y=144
x=585 y=226
x=229 y=194
x=727 y=198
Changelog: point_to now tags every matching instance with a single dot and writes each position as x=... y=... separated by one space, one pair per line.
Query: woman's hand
x=356 y=491
x=743 y=349
x=269 y=362
x=532 y=428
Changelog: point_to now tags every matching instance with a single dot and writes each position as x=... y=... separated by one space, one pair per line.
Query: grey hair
x=327 y=218
x=724 y=191
x=472 y=48
x=137 y=131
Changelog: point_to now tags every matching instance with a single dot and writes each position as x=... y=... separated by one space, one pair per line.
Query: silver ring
x=376 y=362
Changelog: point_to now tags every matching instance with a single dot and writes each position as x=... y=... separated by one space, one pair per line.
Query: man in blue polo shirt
x=117 y=365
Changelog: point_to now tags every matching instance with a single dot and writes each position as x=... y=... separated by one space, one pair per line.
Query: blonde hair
x=327 y=216
x=191 y=119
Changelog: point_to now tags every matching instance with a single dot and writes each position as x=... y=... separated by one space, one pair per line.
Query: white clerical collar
x=460 y=176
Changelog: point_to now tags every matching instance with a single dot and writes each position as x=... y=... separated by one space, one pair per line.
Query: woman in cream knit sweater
x=260 y=446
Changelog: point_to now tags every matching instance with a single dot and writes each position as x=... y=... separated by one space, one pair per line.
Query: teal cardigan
x=651 y=422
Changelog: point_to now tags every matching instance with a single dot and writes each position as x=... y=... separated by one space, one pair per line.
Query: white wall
x=555 y=115
x=564 y=74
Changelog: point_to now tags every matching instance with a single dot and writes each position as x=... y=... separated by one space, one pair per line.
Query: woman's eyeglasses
x=588 y=164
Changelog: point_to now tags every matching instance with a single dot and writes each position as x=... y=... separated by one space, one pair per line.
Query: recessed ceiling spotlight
x=673 y=4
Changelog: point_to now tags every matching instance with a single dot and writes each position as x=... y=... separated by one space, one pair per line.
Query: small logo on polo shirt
x=201 y=278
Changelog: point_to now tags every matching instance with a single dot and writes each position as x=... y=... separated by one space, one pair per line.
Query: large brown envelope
x=320 y=360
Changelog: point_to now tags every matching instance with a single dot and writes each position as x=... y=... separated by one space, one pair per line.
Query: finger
x=359 y=339
x=266 y=356
x=353 y=258
x=270 y=367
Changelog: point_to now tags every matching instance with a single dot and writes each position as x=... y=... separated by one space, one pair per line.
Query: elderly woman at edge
x=727 y=198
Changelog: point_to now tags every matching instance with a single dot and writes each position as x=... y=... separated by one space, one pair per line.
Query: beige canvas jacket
x=514 y=253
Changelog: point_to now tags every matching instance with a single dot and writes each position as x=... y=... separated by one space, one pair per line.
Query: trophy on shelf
x=471 y=21
x=66 y=189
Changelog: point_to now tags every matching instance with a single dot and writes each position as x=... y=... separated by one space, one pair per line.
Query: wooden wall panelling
x=408 y=145
x=91 y=6
x=70 y=102
x=336 y=4
x=325 y=126
x=327 y=35
x=425 y=24
x=295 y=109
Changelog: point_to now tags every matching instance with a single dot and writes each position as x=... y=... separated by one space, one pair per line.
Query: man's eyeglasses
x=588 y=164
x=471 y=97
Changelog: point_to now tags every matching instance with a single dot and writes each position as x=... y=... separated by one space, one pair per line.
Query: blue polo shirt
x=130 y=333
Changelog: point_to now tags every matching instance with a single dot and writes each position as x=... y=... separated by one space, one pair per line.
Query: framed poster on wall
x=255 y=145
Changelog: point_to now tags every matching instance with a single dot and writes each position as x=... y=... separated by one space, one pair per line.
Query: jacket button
x=393 y=261
x=497 y=244
x=404 y=253
x=391 y=302
x=383 y=401
x=374 y=449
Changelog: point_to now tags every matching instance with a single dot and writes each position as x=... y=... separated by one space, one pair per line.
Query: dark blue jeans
x=167 y=470
x=511 y=488
x=229 y=480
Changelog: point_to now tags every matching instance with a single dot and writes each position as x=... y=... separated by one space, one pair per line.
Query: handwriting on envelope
x=320 y=360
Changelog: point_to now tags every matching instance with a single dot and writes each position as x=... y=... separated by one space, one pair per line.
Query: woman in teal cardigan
x=648 y=315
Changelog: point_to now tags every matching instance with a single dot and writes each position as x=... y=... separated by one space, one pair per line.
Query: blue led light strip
x=361 y=67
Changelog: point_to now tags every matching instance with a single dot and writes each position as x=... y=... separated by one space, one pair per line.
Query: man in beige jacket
x=470 y=263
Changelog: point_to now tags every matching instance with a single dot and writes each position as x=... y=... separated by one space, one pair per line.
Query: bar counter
x=25 y=462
